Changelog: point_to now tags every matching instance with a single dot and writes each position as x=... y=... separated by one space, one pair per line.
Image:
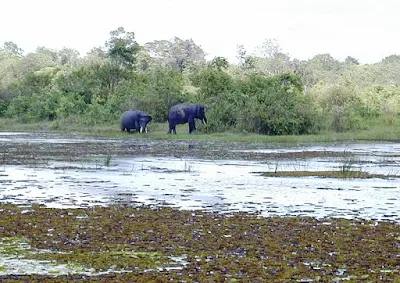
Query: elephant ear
x=198 y=110
x=145 y=116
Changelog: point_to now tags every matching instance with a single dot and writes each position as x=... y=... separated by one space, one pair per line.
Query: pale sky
x=367 y=30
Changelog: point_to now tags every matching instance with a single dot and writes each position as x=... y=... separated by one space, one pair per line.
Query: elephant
x=135 y=119
x=185 y=113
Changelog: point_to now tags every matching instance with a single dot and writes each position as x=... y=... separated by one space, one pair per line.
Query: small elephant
x=185 y=113
x=135 y=120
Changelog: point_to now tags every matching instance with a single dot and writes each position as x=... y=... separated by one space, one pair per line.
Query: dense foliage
x=267 y=92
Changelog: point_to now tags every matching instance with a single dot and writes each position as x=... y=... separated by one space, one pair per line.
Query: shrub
x=96 y=114
x=18 y=107
x=342 y=107
x=276 y=105
x=70 y=105
x=3 y=107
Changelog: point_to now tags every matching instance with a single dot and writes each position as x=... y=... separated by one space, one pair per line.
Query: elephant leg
x=192 y=127
x=171 y=129
x=129 y=131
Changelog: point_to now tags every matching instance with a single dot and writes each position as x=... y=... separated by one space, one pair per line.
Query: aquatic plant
x=348 y=162
x=107 y=160
x=214 y=247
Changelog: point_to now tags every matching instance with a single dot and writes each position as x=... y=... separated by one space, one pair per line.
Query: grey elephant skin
x=135 y=120
x=185 y=113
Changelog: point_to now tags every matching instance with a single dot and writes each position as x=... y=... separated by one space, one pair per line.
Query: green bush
x=212 y=82
x=381 y=100
x=3 y=107
x=221 y=115
x=276 y=105
x=97 y=114
x=154 y=92
x=70 y=105
x=18 y=108
x=343 y=108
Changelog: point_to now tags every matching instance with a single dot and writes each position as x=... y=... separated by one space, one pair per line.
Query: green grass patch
x=80 y=261
x=379 y=129
x=325 y=174
x=103 y=260
x=14 y=246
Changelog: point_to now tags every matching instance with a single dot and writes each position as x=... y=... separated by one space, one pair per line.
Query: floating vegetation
x=18 y=257
x=141 y=244
x=342 y=174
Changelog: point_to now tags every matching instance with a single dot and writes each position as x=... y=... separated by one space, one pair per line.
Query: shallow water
x=196 y=175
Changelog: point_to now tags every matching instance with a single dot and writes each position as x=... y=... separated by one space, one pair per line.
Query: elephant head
x=143 y=121
x=201 y=114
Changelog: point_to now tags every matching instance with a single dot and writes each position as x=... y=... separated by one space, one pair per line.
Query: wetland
x=97 y=209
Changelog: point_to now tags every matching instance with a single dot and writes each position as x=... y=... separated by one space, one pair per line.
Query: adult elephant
x=135 y=120
x=185 y=113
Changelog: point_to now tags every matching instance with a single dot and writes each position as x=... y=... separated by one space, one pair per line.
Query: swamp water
x=185 y=180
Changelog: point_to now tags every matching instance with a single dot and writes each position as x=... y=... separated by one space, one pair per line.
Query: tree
x=12 y=48
x=8 y=63
x=122 y=50
x=122 y=47
x=325 y=62
x=269 y=48
x=392 y=59
x=280 y=63
x=32 y=62
x=246 y=61
x=302 y=69
x=68 y=56
x=219 y=63
x=176 y=53
x=351 y=61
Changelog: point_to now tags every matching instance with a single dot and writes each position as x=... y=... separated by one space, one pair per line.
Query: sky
x=367 y=30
